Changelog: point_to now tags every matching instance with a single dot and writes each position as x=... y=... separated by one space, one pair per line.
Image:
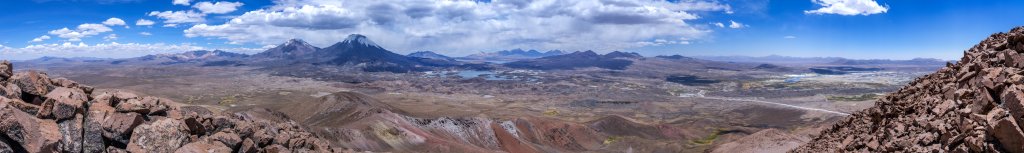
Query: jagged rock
x=229 y=139
x=165 y=135
x=65 y=102
x=276 y=148
x=248 y=146
x=33 y=135
x=6 y=71
x=204 y=147
x=974 y=105
x=144 y=105
x=93 y=129
x=71 y=134
x=113 y=149
x=11 y=91
x=63 y=116
x=119 y=126
x=33 y=82
x=21 y=105
x=5 y=146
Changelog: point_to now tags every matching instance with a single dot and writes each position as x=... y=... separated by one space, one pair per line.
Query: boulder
x=229 y=139
x=65 y=102
x=6 y=71
x=93 y=129
x=248 y=146
x=204 y=147
x=144 y=106
x=164 y=135
x=33 y=135
x=119 y=126
x=20 y=105
x=71 y=134
x=33 y=82
x=10 y=91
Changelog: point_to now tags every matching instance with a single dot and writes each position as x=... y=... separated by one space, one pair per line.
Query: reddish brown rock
x=32 y=82
x=229 y=139
x=119 y=126
x=62 y=116
x=165 y=135
x=983 y=114
x=6 y=71
x=204 y=147
x=248 y=146
x=33 y=135
x=65 y=103
x=71 y=134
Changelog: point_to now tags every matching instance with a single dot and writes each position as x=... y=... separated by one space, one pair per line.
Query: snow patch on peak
x=296 y=42
x=360 y=39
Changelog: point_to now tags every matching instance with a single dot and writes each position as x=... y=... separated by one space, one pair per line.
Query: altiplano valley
x=683 y=104
x=511 y=76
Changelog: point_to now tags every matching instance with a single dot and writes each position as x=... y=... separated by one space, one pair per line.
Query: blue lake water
x=487 y=75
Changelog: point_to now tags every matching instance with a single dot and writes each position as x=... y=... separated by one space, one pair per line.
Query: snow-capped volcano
x=357 y=39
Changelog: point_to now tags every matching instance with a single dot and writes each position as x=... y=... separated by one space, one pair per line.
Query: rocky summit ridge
x=975 y=105
x=43 y=114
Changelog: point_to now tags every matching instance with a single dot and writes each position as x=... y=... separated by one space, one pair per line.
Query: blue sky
x=844 y=28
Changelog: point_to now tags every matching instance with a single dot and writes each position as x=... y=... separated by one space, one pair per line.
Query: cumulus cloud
x=105 y=50
x=40 y=38
x=718 y=24
x=82 y=31
x=145 y=33
x=735 y=25
x=144 y=22
x=176 y=17
x=218 y=7
x=469 y=26
x=110 y=37
x=114 y=22
x=181 y=2
x=848 y=7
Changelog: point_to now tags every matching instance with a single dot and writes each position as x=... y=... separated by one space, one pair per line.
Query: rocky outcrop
x=764 y=141
x=974 y=105
x=43 y=114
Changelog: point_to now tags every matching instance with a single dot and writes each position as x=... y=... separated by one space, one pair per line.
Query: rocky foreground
x=975 y=105
x=42 y=114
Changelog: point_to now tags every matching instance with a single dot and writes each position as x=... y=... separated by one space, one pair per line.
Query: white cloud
x=110 y=37
x=464 y=27
x=40 y=38
x=218 y=7
x=114 y=22
x=719 y=24
x=176 y=17
x=789 y=37
x=106 y=50
x=145 y=33
x=736 y=25
x=180 y=2
x=82 y=31
x=848 y=7
x=144 y=22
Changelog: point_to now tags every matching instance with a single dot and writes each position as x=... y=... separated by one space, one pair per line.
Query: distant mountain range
x=776 y=59
x=430 y=55
x=359 y=52
x=200 y=56
x=614 y=60
x=510 y=55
